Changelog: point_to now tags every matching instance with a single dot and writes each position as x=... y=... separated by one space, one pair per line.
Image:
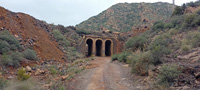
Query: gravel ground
x=105 y=76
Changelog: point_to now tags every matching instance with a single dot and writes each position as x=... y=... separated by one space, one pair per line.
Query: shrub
x=136 y=42
x=22 y=85
x=190 y=21
x=72 y=54
x=16 y=58
x=122 y=57
x=178 y=11
x=159 y=47
x=177 y=20
x=189 y=18
x=185 y=48
x=141 y=62
x=58 y=35
x=198 y=12
x=13 y=59
x=30 y=54
x=65 y=43
x=114 y=57
x=58 y=86
x=198 y=28
x=168 y=74
x=7 y=59
x=168 y=26
x=193 y=38
x=6 y=36
x=21 y=74
x=4 y=47
x=61 y=39
x=53 y=70
x=3 y=83
x=192 y=4
x=158 y=25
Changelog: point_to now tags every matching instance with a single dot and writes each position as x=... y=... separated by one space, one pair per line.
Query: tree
x=178 y=11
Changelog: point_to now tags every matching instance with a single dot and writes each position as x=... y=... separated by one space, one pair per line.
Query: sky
x=68 y=12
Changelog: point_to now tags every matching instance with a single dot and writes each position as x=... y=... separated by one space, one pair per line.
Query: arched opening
x=89 y=47
x=108 y=48
x=98 y=47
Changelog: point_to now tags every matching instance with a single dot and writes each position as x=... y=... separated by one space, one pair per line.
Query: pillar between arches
x=103 y=48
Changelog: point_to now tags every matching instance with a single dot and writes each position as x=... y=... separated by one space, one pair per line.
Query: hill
x=123 y=17
x=31 y=33
x=168 y=53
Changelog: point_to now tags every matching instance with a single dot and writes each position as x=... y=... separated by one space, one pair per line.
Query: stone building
x=93 y=45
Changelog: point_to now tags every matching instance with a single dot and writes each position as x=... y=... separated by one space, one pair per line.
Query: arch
x=108 y=48
x=89 y=47
x=99 y=48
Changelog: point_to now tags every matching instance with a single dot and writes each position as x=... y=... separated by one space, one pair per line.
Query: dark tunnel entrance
x=89 y=47
x=108 y=48
x=98 y=47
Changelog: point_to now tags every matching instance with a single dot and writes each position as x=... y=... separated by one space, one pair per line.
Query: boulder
x=10 y=77
x=38 y=72
x=28 y=68
x=64 y=77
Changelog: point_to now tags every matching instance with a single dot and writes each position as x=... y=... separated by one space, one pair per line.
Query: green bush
x=158 y=25
x=13 y=59
x=72 y=54
x=16 y=58
x=136 y=42
x=7 y=60
x=191 y=21
x=177 y=21
x=193 y=4
x=178 y=11
x=58 y=35
x=65 y=43
x=122 y=57
x=3 y=83
x=168 y=25
x=168 y=74
x=193 y=38
x=9 y=38
x=189 y=18
x=58 y=86
x=141 y=62
x=61 y=39
x=21 y=74
x=159 y=47
x=53 y=70
x=198 y=12
x=185 y=48
x=30 y=54
x=114 y=57
x=4 y=47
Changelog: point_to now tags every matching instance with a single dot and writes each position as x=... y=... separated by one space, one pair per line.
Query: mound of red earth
x=31 y=33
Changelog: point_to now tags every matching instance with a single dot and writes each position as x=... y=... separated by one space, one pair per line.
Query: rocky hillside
x=168 y=53
x=31 y=33
x=124 y=17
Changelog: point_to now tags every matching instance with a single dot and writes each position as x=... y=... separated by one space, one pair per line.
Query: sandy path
x=106 y=76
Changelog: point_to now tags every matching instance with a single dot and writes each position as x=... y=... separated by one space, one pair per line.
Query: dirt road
x=103 y=75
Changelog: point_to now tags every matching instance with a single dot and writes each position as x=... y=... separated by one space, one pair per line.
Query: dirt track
x=103 y=75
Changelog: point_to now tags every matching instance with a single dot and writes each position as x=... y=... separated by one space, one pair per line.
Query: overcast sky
x=67 y=12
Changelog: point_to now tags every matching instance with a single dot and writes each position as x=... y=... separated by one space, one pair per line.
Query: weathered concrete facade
x=99 y=46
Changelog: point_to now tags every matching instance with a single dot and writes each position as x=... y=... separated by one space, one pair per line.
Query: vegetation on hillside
x=61 y=36
x=11 y=51
x=165 y=41
x=123 y=16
